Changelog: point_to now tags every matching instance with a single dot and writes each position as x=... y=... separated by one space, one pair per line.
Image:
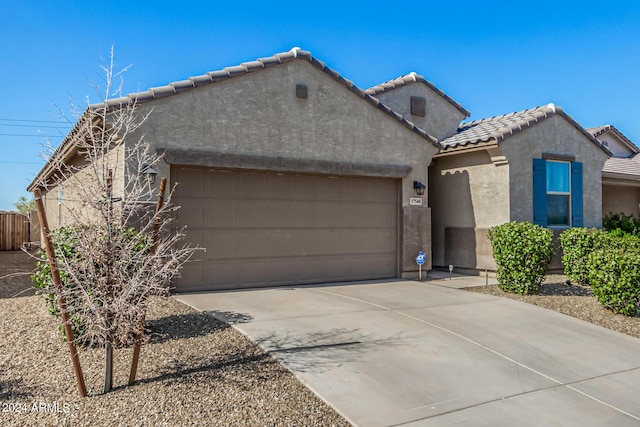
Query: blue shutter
x=577 y=216
x=540 y=192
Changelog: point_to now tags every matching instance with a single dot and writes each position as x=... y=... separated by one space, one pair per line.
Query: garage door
x=270 y=229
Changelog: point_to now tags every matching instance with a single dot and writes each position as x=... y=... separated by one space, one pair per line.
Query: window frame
x=559 y=193
x=540 y=190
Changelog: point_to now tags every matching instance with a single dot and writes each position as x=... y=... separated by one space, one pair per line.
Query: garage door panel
x=315 y=242
x=191 y=277
x=190 y=212
x=279 y=187
x=254 y=273
x=384 y=191
x=220 y=244
x=369 y=215
x=375 y=266
x=282 y=243
x=223 y=210
x=219 y=184
x=251 y=244
x=279 y=213
x=219 y=274
x=251 y=213
x=370 y=241
x=251 y=185
x=197 y=239
x=268 y=229
x=190 y=181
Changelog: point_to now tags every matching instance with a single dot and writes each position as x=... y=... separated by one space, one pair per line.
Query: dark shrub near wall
x=523 y=252
x=577 y=244
x=621 y=222
x=614 y=275
x=609 y=262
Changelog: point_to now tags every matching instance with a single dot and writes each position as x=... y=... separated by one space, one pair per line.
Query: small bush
x=64 y=242
x=523 y=252
x=614 y=275
x=622 y=223
x=577 y=244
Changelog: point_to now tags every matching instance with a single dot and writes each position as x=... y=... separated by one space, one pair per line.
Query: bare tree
x=124 y=246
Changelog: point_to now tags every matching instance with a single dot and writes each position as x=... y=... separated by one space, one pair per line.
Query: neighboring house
x=621 y=173
x=288 y=173
x=535 y=165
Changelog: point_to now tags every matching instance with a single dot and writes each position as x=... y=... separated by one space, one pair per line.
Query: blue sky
x=492 y=57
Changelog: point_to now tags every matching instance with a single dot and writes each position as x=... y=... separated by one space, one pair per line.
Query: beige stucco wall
x=558 y=136
x=81 y=188
x=621 y=199
x=259 y=115
x=441 y=119
x=468 y=195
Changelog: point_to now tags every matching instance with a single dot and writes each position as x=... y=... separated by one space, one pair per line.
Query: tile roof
x=600 y=130
x=619 y=167
x=411 y=78
x=213 y=77
x=249 y=67
x=495 y=129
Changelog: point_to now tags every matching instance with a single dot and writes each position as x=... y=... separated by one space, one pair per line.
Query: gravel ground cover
x=573 y=300
x=194 y=370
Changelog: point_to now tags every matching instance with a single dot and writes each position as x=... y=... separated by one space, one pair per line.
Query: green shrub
x=523 y=252
x=577 y=243
x=64 y=242
x=65 y=245
x=622 y=223
x=614 y=275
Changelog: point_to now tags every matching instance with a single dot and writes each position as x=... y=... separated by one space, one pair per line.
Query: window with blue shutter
x=577 y=217
x=557 y=193
x=540 y=192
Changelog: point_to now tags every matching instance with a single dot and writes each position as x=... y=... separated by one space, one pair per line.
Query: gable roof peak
x=409 y=78
x=248 y=67
x=497 y=128
x=601 y=130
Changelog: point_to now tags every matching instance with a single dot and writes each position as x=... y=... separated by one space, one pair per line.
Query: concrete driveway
x=400 y=352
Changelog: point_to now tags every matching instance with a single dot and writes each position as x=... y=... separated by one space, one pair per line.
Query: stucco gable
x=245 y=68
x=410 y=78
x=494 y=130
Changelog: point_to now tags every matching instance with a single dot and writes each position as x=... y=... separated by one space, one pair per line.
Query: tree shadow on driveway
x=315 y=352
x=321 y=351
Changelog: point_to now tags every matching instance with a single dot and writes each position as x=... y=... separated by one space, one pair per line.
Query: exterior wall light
x=149 y=173
x=419 y=187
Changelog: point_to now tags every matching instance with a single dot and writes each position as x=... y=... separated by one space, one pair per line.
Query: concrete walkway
x=387 y=353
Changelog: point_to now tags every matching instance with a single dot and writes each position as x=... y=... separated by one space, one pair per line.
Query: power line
x=37 y=121
x=20 y=163
x=36 y=126
x=36 y=136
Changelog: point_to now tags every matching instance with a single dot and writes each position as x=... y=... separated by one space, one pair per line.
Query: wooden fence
x=14 y=231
